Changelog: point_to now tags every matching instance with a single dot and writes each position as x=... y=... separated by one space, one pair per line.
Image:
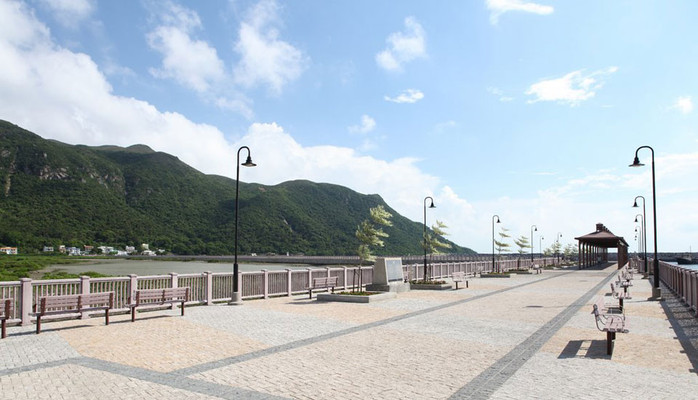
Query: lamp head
x=248 y=162
x=432 y=204
x=636 y=218
x=497 y=220
x=535 y=229
x=636 y=163
x=635 y=203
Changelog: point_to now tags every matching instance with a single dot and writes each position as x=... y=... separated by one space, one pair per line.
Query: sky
x=531 y=111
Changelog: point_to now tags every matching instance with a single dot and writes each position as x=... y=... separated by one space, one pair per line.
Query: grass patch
x=14 y=267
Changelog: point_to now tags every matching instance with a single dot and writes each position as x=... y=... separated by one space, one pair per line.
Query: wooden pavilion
x=593 y=247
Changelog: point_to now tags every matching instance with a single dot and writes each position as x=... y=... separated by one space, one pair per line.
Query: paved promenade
x=530 y=336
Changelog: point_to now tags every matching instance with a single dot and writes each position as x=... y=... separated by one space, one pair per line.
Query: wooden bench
x=6 y=310
x=322 y=283
x=73 y=303
x=158 y=297
x=461 y=276
x=537 y=268
x=620 y=296
x=611 y=324
x=605 y=308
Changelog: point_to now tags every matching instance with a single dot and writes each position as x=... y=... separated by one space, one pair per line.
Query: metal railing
x=682 y=281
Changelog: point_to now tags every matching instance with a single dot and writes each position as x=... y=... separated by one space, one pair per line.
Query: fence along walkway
x=208 y=287
x=682 y=281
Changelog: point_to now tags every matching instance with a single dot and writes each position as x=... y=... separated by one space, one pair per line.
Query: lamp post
x=639 y=244
x=493 y=270
x=644 y=229
x=656 y=292
x=540 y=247
x=533 y=229
x=424 y=235
x=557 y=240
x=643 y=241
x=237 y=298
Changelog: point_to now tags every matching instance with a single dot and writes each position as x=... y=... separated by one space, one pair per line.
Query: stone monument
x=388 y=276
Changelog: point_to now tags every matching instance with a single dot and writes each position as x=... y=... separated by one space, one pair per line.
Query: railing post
x=289 y=281
x=265 y=282
x=132 y=287
x=174 y=282
x=345 y=278
x=84 y=289
x=209 y=287
x=26 y=300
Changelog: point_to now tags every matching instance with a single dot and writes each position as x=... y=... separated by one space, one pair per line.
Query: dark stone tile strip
x=491 y=379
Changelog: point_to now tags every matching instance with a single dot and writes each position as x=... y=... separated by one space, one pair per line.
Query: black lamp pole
x=237 y=298
x=656 y=293
x=540 y=247
x=644 y=229
x=424 y=234
x=559 y=235
x=533 y=228
x=497 y=216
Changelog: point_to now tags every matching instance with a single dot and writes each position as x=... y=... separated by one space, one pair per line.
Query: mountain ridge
x=55 y=193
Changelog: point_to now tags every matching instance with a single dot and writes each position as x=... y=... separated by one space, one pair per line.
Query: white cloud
x=499 y=93
x=403 y=47
x=499 y=7
x=265 y=59
x=407 y=96
x=69 y=13
x=192 y=63
x=571 y=89
x=367 y=125
x=684 y=104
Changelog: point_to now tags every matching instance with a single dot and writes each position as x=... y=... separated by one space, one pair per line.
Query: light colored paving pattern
x=498 y=339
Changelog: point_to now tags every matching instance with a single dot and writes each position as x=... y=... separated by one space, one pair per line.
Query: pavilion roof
x=602 y=238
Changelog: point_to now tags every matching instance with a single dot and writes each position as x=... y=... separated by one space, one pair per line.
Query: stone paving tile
x=19 y=350
x=160 y=343
x=76 y=382
x=546 y=376
x=345 y=312
x=275 y=328
x=382 y=363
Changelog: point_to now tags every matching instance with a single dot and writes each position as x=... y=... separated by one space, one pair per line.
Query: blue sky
x=528 y=110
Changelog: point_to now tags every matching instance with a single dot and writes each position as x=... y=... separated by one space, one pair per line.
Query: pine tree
x=369 y=233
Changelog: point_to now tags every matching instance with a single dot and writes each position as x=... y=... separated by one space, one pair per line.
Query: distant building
x=130 y=249
x=8 y=250
x=61 y=248
x=48 y=249
x=88 y=249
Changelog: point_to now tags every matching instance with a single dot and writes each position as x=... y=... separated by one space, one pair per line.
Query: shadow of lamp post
x=656 y=292
x=644 y=230
x=424 y=235
x=493 y=264
x=237 y=297
x=533 y=229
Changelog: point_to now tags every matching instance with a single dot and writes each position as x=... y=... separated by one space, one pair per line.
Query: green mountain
x=53 y=193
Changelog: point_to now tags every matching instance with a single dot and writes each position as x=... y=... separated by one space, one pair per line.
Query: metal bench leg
x=4 y=329
x=106 y=316
x=310 y=294
x=610 y=337
x=466 y=284
x=133 y=314
x=456 y=285
x=38 y=324
x=182 y=307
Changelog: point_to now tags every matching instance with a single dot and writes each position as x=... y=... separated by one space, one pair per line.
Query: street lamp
x=656 y=292
x=639 y=244
x=493 y=239
x=532 y=230
x=540 y=247
x=557 y=247
x=644 y=228
x=643 y=241
x=237 y=298
x=424 y=235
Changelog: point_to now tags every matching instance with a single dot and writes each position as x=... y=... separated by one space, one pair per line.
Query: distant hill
x=53 y=193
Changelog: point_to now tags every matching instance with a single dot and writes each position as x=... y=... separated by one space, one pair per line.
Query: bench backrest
x=458 y=275
x=98 y=299
x=6 y=308
x=160 y=295
x=326 y=281
x=76 y=301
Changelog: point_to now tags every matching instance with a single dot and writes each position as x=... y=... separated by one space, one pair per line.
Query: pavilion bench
x=322 y=283
x=72 y=304
x=158 y=297
x=461 y=276
x=6 y=310
x=611 y=324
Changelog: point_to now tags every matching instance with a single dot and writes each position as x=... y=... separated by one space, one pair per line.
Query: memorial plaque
x=387 y=270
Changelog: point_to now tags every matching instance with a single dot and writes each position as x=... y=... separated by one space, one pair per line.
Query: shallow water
x=155 y=267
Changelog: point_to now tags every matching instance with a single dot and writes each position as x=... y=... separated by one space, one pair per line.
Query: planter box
x=350 y=298
x=495 y=275
x=435 y=286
